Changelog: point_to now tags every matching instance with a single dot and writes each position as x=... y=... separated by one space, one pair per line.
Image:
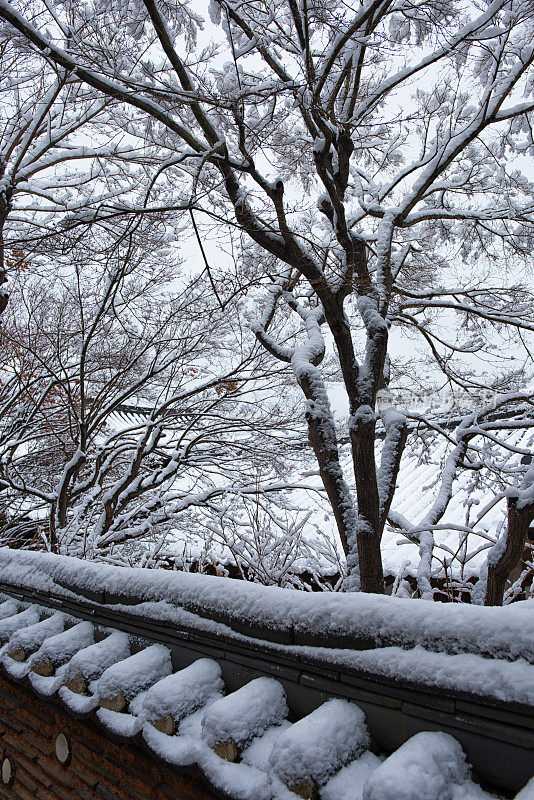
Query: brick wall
x=99 y=768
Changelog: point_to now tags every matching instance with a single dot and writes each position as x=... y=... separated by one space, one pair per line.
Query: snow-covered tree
x=125 y=395
x=49 y=164
x=356 y=152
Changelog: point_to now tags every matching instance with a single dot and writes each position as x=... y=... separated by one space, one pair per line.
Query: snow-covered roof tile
x=238 y=718
x=243 y=742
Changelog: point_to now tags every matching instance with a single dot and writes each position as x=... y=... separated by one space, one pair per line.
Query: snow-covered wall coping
x=355 y=621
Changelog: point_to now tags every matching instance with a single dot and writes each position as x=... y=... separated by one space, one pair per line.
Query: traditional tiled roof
x=418 y=483
x=240 y=725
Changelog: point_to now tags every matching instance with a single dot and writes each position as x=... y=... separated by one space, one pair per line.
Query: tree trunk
x=516 y=538
x=322 y=437
x=362 y=434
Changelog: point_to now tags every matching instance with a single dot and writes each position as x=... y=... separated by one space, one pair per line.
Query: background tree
x=56 y=145
x=86 y=343
x=481 y=444
x=358 y=148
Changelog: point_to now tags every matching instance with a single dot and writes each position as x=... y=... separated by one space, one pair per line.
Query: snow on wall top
x=282 y=614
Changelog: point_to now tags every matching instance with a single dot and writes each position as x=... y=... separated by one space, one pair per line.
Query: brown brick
x=18 y=746
x=179 y=790
x=46 y=794
x=34 y=723
x=149 y=793
x=9 y=720
x=168 y=791
x=86 y=741
x=9 y=697
x=37 y=773
x=29 y=742
x=26 y=780
x=83 y=794
x=122 y=762
x=82 y=776
x=20 y=792
x=82 y=747
x=38 y=743
x=101 y=768
x=62 y=794
x=44 y=714
x=102 y=791
x=59 y=774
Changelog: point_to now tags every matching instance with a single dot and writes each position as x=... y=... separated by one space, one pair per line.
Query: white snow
x=423 y=768
x=191 y=726
x=258 y=752
x=246 y=713
x=486 y=677
x=329 y=745
x=78 y=703
x=240 y=781
x=349 y=782
x=11 y=624
x=506 y=632
x=320 y=743
x=527 y=793
x=59 y=649
x=63 y=646
x=469 y=791
x=121 y=724
x=182 y=693
x=135 y=673
x=421 y=641
x=8 y=608
x=32 y=636
x=90 y=662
